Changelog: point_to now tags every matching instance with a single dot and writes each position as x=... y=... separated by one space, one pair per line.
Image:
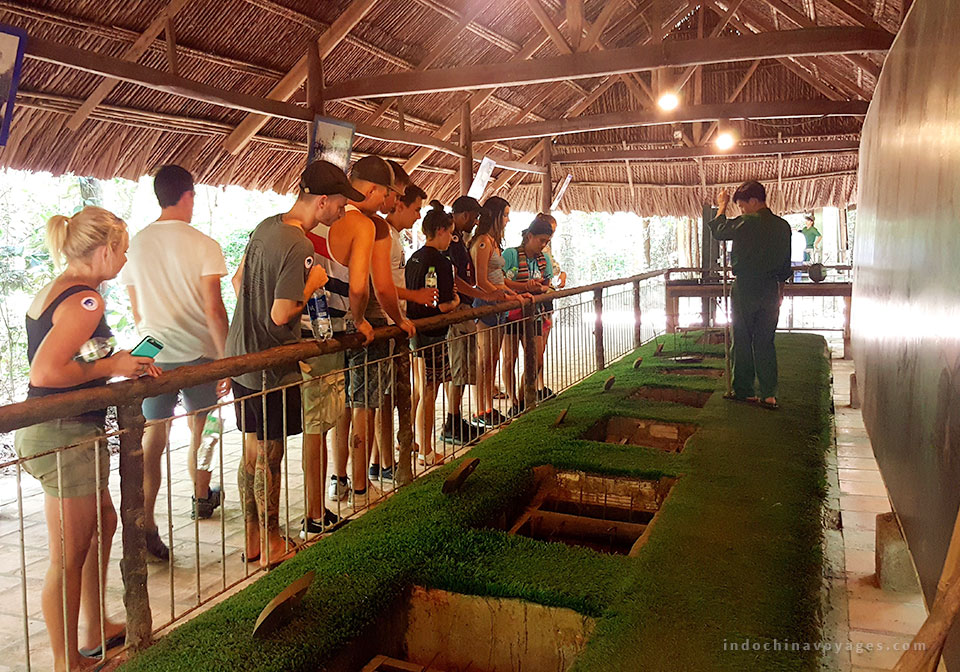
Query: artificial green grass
x=734 y=555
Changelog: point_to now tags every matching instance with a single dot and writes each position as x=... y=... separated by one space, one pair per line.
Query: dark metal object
x=280 y=609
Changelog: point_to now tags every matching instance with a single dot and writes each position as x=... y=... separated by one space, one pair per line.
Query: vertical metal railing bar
x=101 y=597
x=223 y=488
x=23 y=568
x=67 y=644
x=263 y=451
x=286 y=474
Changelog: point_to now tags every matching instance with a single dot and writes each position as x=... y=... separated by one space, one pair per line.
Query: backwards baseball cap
x=372 y=169
x=322 y=178
x=466 y=204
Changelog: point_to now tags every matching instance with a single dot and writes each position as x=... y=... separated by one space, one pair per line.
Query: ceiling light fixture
x=668 y=101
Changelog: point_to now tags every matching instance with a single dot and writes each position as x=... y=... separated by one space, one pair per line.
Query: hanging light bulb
x=668 y=101
x=725 y=141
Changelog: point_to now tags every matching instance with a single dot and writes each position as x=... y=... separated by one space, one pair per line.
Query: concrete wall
x=906 y=306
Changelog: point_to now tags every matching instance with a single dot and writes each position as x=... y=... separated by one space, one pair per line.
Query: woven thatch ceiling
x=247 y=46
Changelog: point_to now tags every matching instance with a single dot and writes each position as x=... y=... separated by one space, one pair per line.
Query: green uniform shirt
x=761 y=245
x=811 y=234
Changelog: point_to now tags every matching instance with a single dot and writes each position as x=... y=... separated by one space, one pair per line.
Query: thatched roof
x=248 y=45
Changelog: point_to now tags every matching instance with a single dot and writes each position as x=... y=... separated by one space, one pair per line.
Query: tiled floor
x=879 y=623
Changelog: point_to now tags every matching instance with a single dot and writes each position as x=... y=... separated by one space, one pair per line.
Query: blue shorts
x=194 y=398
x=490 y=320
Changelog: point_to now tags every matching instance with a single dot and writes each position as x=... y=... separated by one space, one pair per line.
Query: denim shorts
x=490 y=320
x=194 y=398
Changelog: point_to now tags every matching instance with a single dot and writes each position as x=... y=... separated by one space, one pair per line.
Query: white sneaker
x=338 y=490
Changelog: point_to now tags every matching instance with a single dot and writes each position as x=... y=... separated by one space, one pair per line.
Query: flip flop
x=742 y=400
x=112 y=643
x=294 y=549
x=767 y=405
x=253 y=558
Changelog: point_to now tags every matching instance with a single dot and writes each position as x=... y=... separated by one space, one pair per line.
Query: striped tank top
x=338 y=279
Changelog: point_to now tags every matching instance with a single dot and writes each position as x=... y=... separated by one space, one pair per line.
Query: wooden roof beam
x=705 y=137
x=132 y=54
x=684 y=114
x=549 y=26
x=724 y=20
x=803 y=42
x=161 y=80
x=292 y=81
x=574 y=9
x=785 y=148
x=855 y=14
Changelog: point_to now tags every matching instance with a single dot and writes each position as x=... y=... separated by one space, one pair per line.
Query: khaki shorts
x=78 y=463
x=323 y=396
x=462 y=347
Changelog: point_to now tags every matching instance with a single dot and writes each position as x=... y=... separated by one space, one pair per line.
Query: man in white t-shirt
x=173 y=276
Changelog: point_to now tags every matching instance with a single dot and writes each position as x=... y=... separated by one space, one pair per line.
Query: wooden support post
x=637 y=316
x=314 y=78
x=672 y=304
x=404 y=402
x=529 y=356
x=466 y=143
x=598 y=328
x=847 y=347
x=171 y=32
x=133 y=564
x=546 y=183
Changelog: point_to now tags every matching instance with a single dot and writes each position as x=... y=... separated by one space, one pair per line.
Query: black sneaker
x=311 y=526
x=458 y=430
x=517 y=409
x=156 y=547
x=204 y=507
x=491 y=418
x=544 y=394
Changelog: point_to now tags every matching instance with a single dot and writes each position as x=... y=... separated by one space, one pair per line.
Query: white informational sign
x=482 y=177
x=330 y=140
x=561 y=191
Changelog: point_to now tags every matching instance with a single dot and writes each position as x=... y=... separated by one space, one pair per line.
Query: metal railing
x=546 y=346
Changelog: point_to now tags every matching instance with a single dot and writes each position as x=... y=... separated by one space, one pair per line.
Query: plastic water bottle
x=430 y=282
x=320 y=321
x=208 y=443
x=96 y=348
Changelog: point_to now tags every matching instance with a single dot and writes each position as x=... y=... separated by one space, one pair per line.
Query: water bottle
x=208 y=442
x=320 y=321
x=431 y=280
x=96 y=348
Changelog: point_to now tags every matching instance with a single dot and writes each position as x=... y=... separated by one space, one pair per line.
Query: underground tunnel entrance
x=608 y=514
x=670 y=437
x=705 y=371
x=675 y=395
x=430 y=630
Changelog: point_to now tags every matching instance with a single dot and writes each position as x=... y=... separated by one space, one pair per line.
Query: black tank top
x=37 y=330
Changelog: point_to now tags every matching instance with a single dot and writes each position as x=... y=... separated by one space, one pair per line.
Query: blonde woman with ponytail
x=87 y=249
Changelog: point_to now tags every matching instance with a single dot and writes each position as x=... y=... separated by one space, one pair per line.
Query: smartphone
x=148 y=347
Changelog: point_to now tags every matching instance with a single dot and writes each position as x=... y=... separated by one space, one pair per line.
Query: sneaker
x=492 y=418
x=385 y=475
x=458 y=430
x=545 y=393
x=517 y=409
x=374 y=472
x=311 y=526
x=156 y=547
x=338 y=490
x=204 y=507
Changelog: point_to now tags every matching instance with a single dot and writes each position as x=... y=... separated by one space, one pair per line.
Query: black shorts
x=250 y=418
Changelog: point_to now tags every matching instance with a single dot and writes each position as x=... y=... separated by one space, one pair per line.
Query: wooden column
x=637 y=316
x=546 y=192
x=847 y=347
x=598 y=328
x=314 y=78
x=466 y=142
x=529 y=356
x=133 y=564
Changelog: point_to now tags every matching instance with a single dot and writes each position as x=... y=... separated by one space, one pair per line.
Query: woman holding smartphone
x=69 y=346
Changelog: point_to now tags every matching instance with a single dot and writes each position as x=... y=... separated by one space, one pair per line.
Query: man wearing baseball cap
x=277 y=276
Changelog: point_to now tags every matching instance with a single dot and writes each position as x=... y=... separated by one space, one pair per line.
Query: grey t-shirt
x=276 y=264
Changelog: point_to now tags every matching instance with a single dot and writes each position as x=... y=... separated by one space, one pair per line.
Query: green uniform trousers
x=756 y=311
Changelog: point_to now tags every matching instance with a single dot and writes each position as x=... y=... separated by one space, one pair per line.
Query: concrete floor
x=878 y=624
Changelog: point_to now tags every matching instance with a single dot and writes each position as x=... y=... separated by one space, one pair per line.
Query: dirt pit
x=674 y=395
x=607 y=514
x=438 y=631
x=670 y=437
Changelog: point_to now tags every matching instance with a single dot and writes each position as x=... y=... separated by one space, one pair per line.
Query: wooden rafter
x=600 y=24
x=684 y=114
x=171 y=34
x=785 y=148
x=549 y=26
x=574 y=10
x=292 y=81
x=854 y=13
x=132 y=54
x=439 y=49
x=724 y=20
x=732 y=97
x=803 y=42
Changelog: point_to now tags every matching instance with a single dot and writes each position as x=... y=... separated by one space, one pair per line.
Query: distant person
x=529 y=270
x=812 y=238
x=760 y=259
x=487 y=253
x=462 y=343
x=428 y=266
x=66 y=326
x=277 y=276
x=173 y=277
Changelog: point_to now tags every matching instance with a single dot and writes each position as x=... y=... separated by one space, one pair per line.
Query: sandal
x=742 y=400
x=770 y=406
x=97 y=652
x=429 y=459
x=276 y=562
x=252 y=558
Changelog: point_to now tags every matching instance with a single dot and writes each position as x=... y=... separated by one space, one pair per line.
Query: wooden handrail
x=70 y=404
